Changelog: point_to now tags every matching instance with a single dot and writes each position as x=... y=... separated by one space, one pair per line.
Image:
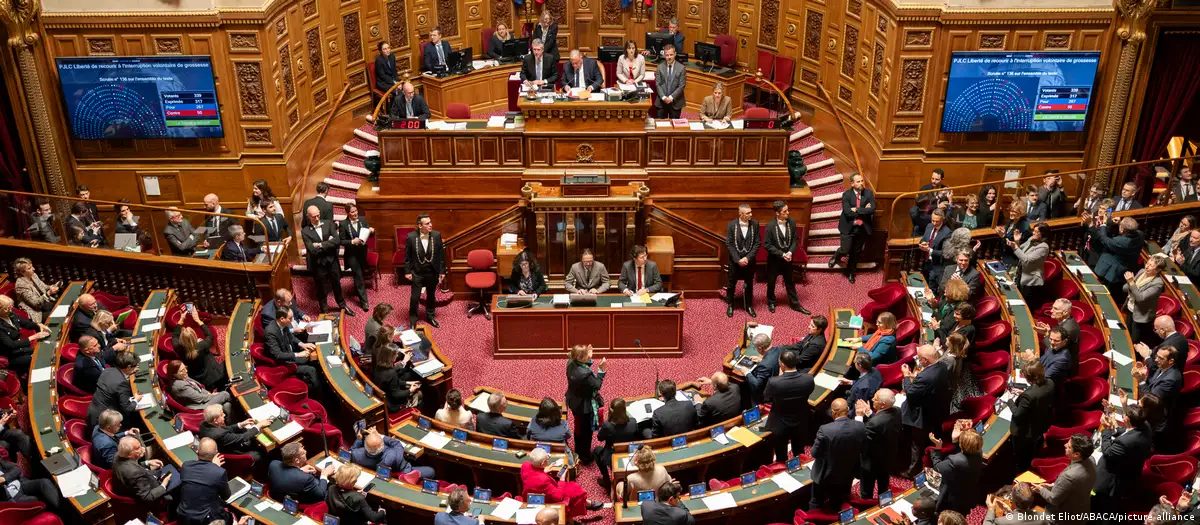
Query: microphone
x=638 y=343
x=321 y=421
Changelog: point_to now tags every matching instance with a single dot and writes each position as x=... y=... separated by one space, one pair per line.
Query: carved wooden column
x=1132 y=33
x=19 y=17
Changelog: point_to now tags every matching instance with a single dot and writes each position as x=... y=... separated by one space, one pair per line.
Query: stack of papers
x=506 y=508
x=152 y=313
x=696 y=126
x=334 y=361
x=268 y=504
x=787 y=482
x=662 y=123
x=60 y=311
x=435 y=440
x=596 y=97
x=760 y=329
x=642 y=410
x=41 y=375
x=435 y=124
x=145 y=402
x=76 y=482
x=322 y=327
x=718 y=124
x=287 y=431
x=265 y=411
x=744 y=436
x=680 y=123
x=363 y=479
x=429 y=367
x=738 y=124
x=720 y=501
x=527 y=516
x=496 y=121
x=150 y=327
x=561 y=299
x=508 y=240
x=826 y=381
x=662 y=296
x=627 y=87
x=1119 y=358
x=480 y=403
x=410 y=338
x=179 y=440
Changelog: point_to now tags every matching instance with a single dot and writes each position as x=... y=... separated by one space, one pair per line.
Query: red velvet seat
x=77 y=432
x=816 y=516
x=988 y=361
x=458 y=111
x=1049 y=468
x=993 y=383
x=166 y=348
x=28 y=513
x=11 y=386
x=259 y=334
x=1089 y=419
x=764 y=64
x=1094 y=365
x=1193 y=444
x=85 y=454
x=1091 y=339
x=398 y=240
x=1052 y=271
x=481 y=278
x=1191 y=382
x=1193 y=352
x=992 y=335
x=124 y=508
x=906 y=352
x=191 y=420
x=1082 y=312
x=1169 y=490
x=1184 y=328
x=317 y=511
x=178 y=408
x=976 y=409
x=1168 y=305
x=757 y=113
x=888 y=293
x=891 y=374
x=1191 y=419
x=65 y=374
x=260 y=357
x=1056 y=438
x=906 y=330
x=272 y=376
x=111 y=302
x=1084 y=392
x=785 y=69
x=986 y=308
x=485 y=42
x=74 y=406
x=1059 y=289
x=728 y=47
x=1173 y=469
x=69 y=352
x=239 y=465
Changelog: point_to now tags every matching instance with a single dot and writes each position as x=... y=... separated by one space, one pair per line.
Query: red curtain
x=1170 y=93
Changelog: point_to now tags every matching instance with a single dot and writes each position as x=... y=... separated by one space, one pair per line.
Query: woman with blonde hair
x=1016 y=222
x=104 y=329
x=196 y=353
x=33 y=295
x=345 y=501
x=649 y=474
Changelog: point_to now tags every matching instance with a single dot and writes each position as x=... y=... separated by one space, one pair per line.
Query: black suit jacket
x=811 y=348
x=268 y=313
x=496 y=425
x=935 y=240
x=431 y=58
x=674 y=417
x=321 y=244
x=1120 y=468
x=287 y=480
x=1055 y=201
x=203 y=489
x=592 y=78
x=738 y=246
x=347 y=232
x=582 y=386
x=1133 y=204
x=720 y=406
x=87 y=371
x=412 y=243
x=927 y=402
x=549 y=71
x=777 y=244
x=960 y=480
x=864 y=212
x=1191 y=264
x=280 y=345
x=81 y=322
x=971 y=276
x=1032 y=411
x=1165 y=384
x=1177 y=341
x=238 y=252
x=385 y=71
x=539 y=281
x=495 y=48
x=788 y=395
x=836 y=450
x=549 y=38
x=1038 y=212
x=132 y=480
x=274 y=233
x=112 y=392
x=1176 y=189
x=231 y=439
x=883 y=440
x=322 y=204
x=11 y=342
x=659 y=513
x=419 y=106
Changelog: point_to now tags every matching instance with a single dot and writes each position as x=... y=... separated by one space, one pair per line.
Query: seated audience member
x=962 y=268
x=1128 y=199
x=14 y=440
x=292 y=476
x=349 y=504
x=105 y=438
x=1187 y=256
x=964 y=318
x=1120 y=246
x=90 y=362
x=283 y=347
x=1143 y=290
x=238 y=439
x=275 y=226
x=1056 y=358
x=182 y=237
x=190 y=393
x=1071 y=492
x=41 y=223
x=204 y=487
x=385 y=67
x=631 y=65
x=1178 y=237
x=548 y=425
x=868 y=382
x=104 y=329
x=113 y=390
x=812 y=346
x=1123 y=452
x=77 y=236
x=724 y=403
x=925 y=510
x=285 y=301
x=647 y=475
x=1021 y=512
x=881 y=343
x=716 y=106
x=836 y=452
x=197 y=353
x=970 y=216
x=766 y=365
x=667 y=509
x=235 y=249
x=126 y=221
x=675 y=416
x=409 y=104
x=1016 y=222
x=34 y=296
x=86 y=308
x=588 y=276
x=493 y=421
x=495 y=49
x=950 y=517
x=80 y=218
x=882 y=446
x=639 y=275
x=18 y=350
x=788 y=394
x=1032 y=411
x=1164 y=328
x=373 y=450
x=526 y=278
x=961 y=470
x=454 y=413
x=394 y=374
x=458 y=504
x=379 y=315
x=536 y=480
x=618 y=428
x=148 y=483
x=19 y=489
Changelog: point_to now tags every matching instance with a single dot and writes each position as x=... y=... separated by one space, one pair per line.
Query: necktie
x=957 y=274
x=579 y=78
x=639 y=283
x=539 y=68
x=408 y=106
x=271 y=221
x=669 y=86
x=441 y=57
x=857 y=204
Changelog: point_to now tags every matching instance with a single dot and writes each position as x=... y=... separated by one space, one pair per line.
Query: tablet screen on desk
x=429 y=485
x=256 y=488
x=384 y=472
x=344 y=455
x=543 y=446
x=645 y=495
x=716 y=431
x=537 y=499
x=885 y=498
x=846 y=516
x=679 y=442
x=749 y=478
x=696 y=490
x=460 y=436
x=751 y=416
x=793 y=464
x=423 y=423
x=499 y=444
x=483 y=495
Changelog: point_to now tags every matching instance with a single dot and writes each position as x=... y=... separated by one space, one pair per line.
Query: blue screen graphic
x=1019 y=91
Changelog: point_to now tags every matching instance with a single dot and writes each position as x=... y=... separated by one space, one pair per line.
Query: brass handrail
x=384 y=98
x=842 y=123
x=1084 y=172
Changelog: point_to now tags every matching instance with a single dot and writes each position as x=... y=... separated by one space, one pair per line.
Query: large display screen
x=1019 y=91
x=140 y=97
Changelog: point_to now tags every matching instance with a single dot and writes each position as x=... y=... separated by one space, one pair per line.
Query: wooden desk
x=503 y=467
x=700 y=84
x=591 y=115
x=352 y=397
x=545 y=331
x=910 y=496
x=762 y=502
x=1106 y=308
x=434 y=388
x=238 y=338
x=44 y=421
x=485 y=90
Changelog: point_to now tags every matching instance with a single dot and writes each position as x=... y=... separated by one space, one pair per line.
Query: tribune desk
x=476 y=453
x=44 y=420
x=238 y=338
x=1108 y=315
x=592 y=115
x=541 y=330
x=765 y=495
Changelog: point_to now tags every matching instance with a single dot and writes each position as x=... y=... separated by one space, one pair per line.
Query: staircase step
x=820 y=249
x=350 y=168
x=819 y=146
x=829 y=197
x=822 y=181
x=824 y=265
x=368 y=136
x=359 y=147
x=825 y=215
x=819 y=164
x=343 y=184
x=800 y=134
x=339 y=200
x=824 y=232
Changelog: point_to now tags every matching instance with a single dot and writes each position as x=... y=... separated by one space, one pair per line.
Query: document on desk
x=720 y=501
x=1181 y=279
x=179 y=440
x=743 y=435
x=916 y=290
x=1016 y=302
x=561 y=299
x=429 y=367
x=547 y=100
x=528 y=516
x=76 y=482
x=760 y=329
x=662 y=296
x=150 y=327
x=149 y=314
x=738 y=124
x=506 y=508
x=1113 y=324
x=1119 y=358
x=787 y=482
x=480 y=403
x=410 y=337
x=145 y=357
x=60 y=311
x=305 y=520
x=902 y=507
x=662 y=123
x=287 y=431
x=435 y=124
x=826 y=381
x=496 y=121
x=718 y=124
x=1081 y=268
x=596 y=97
x=334 y=361
x=267 y=410
x=435 y=440
x=145 y=402
x=40 y=375
x=363 y=479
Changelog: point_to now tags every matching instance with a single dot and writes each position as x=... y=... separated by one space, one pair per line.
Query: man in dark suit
x=854 y=224
x=582 y=386
x=960 y=471
x=90 y=361
x=181 y=235
x=106 y=437
x=275 y=225
x=1184 y=189
x=671 y=79
x=927 y=401
x=321 y=201
x=724 y=403
x=639 y=275
x=1055 y=358
x=1188 y=257
x=1032 y=411
x=781 y=241
x=1035 y=209
x=666 y=510
x=538 y=68
x=582 y=73
x=41 y=223
x=766 y=366
x=932 y=239
x=493 y=421
x=284 y=300
x=935 y=180
x=1118 y=253
x=235 y=248
x=354 y=249
x=283 y=347
x=676 y=34
x=293 y=477
x=1128 y=199
x=321 y=243
x=790 y=413
x=409 y=104
x=237 y=439
x=436 y=51
x=82 y=218
x=1052 y=195
x=372 y=451
x=215 y=225
x=424 y=267
x=812 y=346
x=1060 y=311
x=86 y=307
x=1164 y=327
x=883 y=429
x=868 y=382
x=675 y=416
x=113 y=390
x=1165 y=382
x=204 y=488
x=147 y=484
x=1123 y=453
x=962 y=270
x=742 y=241
x=385 y=67
x=836 y=452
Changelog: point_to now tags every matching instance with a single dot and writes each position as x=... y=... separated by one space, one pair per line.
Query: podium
x=590 y=115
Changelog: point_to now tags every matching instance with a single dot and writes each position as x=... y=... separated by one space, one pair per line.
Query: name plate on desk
x=585 y=186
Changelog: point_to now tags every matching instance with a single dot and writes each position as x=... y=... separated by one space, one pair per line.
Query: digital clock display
x=408 y=123
x=760 y=123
